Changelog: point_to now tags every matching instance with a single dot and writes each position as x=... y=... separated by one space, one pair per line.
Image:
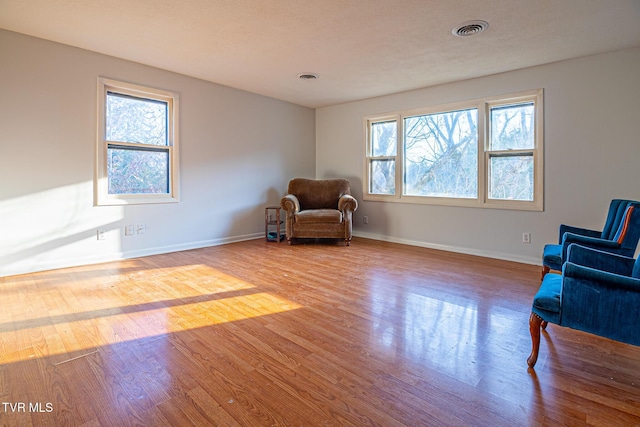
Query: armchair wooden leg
x=545 y=270
x=347 y=242
x=535 y=323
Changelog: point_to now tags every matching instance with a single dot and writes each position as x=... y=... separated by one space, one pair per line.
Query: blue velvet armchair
x=620 y=235
x=598 y=292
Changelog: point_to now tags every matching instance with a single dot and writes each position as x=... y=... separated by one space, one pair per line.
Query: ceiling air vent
x=307 y=76
x=470 y=28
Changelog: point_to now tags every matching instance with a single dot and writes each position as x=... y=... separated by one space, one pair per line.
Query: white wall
x=592 y=154
x=238 y=152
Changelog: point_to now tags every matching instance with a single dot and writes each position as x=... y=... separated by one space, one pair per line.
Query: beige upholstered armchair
x=319 y=209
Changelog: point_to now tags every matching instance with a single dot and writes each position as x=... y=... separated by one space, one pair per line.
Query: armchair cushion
x=546 y=303
x=319 y=215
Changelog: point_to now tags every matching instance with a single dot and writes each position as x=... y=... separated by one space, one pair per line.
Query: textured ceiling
x=360 y=48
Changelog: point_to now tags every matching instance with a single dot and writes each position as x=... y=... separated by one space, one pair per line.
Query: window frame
x=371 y=158
x=484 y=153
x=102 y=197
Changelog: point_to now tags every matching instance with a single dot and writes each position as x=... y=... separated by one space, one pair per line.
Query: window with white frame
x=483 y=153
x=137 y=144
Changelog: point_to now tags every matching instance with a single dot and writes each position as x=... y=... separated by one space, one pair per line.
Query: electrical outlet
x=102 y=235
x=128 y=230
x=365 y=219
x=526 y=237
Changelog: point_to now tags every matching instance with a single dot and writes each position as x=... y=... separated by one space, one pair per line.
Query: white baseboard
x=53 y=264
x=190 y=245
x=91 y=259
x=448 y=248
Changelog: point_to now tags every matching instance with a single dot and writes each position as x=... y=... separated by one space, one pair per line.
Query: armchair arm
x=347 y=203
x=577 y=230
x=290 y=204
x=601 y=303
x=600 y=260
x=598 y=278
x=592 y=242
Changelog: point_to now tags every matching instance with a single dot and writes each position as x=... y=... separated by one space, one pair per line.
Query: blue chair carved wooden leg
x=535 y=324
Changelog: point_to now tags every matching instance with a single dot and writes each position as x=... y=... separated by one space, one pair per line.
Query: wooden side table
x=272 y=218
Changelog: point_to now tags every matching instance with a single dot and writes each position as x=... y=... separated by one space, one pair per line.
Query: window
x=482 y=153
x=383 y=157
x=137 y=148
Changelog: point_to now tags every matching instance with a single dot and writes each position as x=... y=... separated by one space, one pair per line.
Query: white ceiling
x=360 y=48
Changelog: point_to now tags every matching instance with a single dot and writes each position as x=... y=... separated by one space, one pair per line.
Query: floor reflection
x=445 y=332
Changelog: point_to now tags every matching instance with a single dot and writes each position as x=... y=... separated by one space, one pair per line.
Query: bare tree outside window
x=383 y=151
x=486 y=152
x=511 y=152
x=136 y=169
x=441 y=154
x=137 y=151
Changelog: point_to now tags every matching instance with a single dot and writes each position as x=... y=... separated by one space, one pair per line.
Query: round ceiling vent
x=470 y=28
x=308 y=76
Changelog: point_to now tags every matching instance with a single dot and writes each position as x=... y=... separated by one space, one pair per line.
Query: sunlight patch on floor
x=96 y=311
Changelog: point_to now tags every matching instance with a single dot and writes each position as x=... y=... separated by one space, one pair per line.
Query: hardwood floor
x=317 y=334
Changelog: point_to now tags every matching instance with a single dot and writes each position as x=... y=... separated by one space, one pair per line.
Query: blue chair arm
x=577 y=230
x=597 y=279
x=601 y=303
x=600 y=260
x=592 y=242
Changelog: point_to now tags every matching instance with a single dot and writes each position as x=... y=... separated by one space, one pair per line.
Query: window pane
x=383 y=173
x=383 y=138
x=441 y=155
x=131 y=119
x=138 y=171
x=511 y=177
x=512 y=127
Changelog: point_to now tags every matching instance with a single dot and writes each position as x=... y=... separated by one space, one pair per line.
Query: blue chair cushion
x=548 y=296
x=546 y=303
x=552 y=257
